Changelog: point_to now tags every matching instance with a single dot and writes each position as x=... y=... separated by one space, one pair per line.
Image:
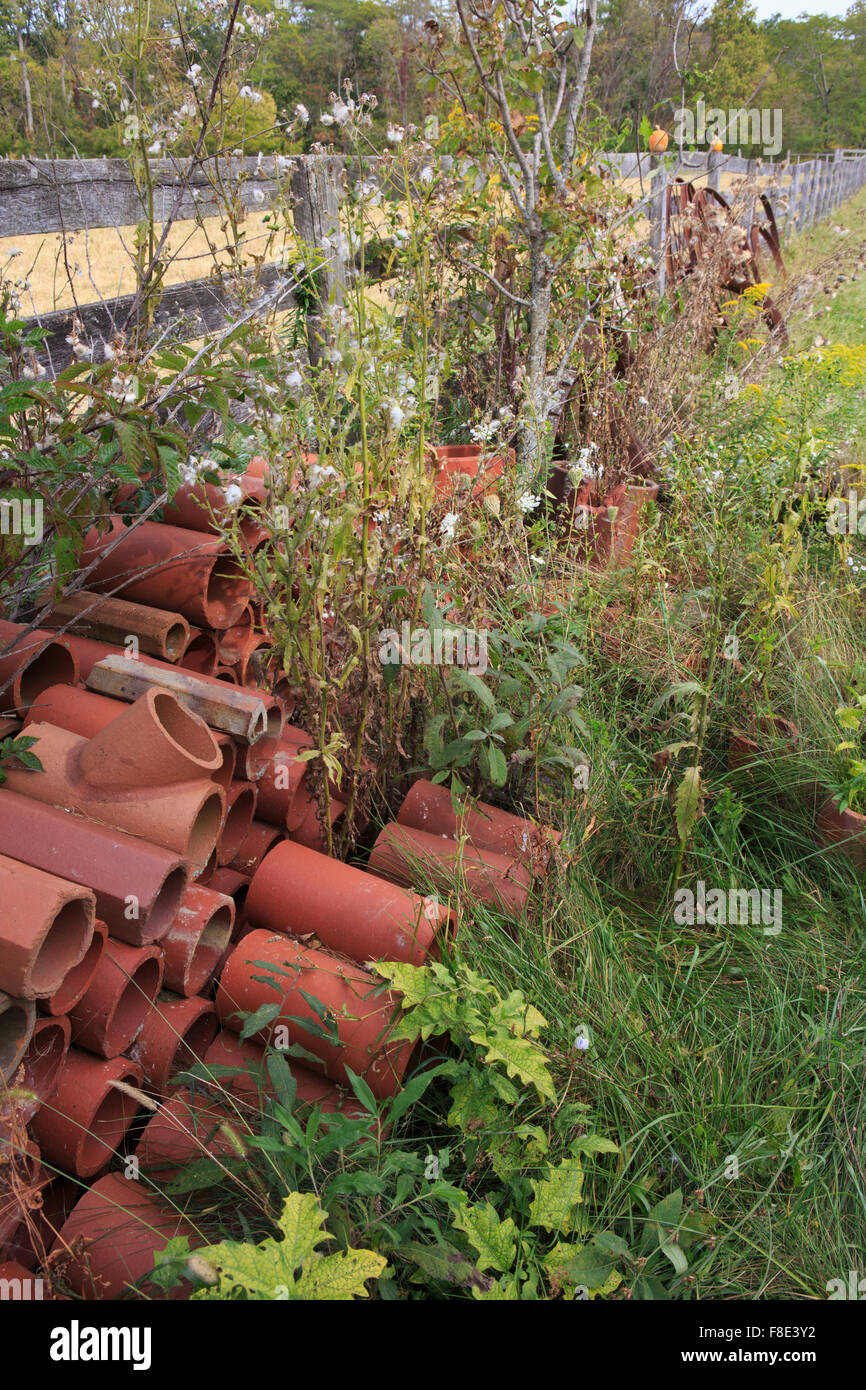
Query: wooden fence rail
x=40 y=196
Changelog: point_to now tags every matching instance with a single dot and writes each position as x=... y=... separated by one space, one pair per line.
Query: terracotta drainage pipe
x=105 y=619
x=240 y=809
x=359 y=1015
x=41 y=1064
x=296 y=890
x=87 y=652
x=231 y=644
x=429 y=807
x=196 y=941
x=303 y=821
x=185 y=1130
x=239 y=1068
x=138 y=887
x=277 y=772
x=224 y=774
x=170 y=567
x=258 y=840
x=46 y=928
x=118 y=999
x=69 y=707
x=176 y=1033
x=184 y=816
x=111 y=1239
x=202 y=506
x=154 y=741
x=17 y=1021
x=84 y=1122
x=243 y=713
x=36 y=661
x=414 y=857
x=78 y=979
x=201 y=654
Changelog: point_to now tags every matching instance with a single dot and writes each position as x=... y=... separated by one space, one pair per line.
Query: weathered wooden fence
x=64 y=196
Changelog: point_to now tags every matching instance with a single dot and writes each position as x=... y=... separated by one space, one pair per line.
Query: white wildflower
x=396 y=416
x=326 y=118
x=233 y=495
x=394 y=134
x=527 y=501
x=302 y=113
x=448 y=525
x=13 y=252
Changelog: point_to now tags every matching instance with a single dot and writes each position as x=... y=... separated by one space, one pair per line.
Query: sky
x=789 y=9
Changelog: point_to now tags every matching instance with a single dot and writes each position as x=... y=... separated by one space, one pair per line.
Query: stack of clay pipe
x=126 y=851
x=163 y=855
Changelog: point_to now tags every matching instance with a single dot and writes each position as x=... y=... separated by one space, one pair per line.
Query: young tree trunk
x=25 y=89
x=535 y=416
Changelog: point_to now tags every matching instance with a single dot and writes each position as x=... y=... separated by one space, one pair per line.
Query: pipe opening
x=62 y=947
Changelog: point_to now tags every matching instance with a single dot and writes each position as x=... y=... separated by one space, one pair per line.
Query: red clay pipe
x=196 y=941
x=105 y=619
x=258 y=840
x=46 y=928
x=87 y=653
x=303 y=821
x=78 y=979
x=184 y=816
x=184 y=1130
x=155 y=741
x=29 y=664
x=248 y=1081
x=224 y=774
x=111 y=1240
x=429 y=807
x=69 y=707
x=240 y=808
x=203 y=506
x=296 y=890
x=201 y=654
x=842 y=832
x=360 y=1014
x=414 y=857
x=176 y=1033
x=40 y=1066
x=277 y=772
x=118 y=999
x=138 y=887
x=17 y=1021
x=169 y=567
x=84 y=1122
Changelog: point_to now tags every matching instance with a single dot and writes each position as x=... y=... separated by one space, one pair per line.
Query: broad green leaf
x=493 y=1238
x=557 y=1197
x=291 y=1268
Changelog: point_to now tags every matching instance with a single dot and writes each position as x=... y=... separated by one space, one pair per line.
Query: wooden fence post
x=315 y=186
x=658 y=219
